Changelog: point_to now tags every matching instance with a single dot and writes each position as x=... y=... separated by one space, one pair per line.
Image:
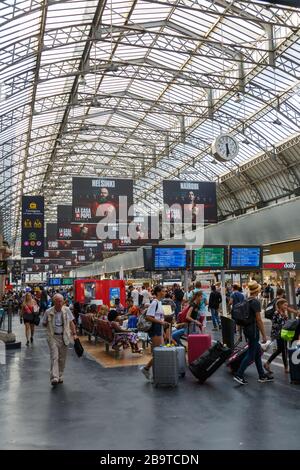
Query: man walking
x=60 y=326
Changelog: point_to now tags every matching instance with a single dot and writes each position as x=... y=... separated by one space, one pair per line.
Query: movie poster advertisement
x=51 y=237
x=187 y=195
x=66 y=230
x=97 y=198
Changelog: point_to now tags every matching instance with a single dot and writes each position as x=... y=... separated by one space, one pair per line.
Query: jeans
x=176 y=335
x=281 y=348
x=215 y=317
x=253 y=354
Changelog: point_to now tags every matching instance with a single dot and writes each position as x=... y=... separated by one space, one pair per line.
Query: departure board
x=169 y=257
x=210 y=257
x=245 y=257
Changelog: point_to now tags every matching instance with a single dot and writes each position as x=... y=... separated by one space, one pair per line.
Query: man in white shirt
x=60 y=327
x=135 y=296
x=146 y=296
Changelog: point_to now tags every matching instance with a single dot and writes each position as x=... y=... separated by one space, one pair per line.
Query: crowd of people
x=172 y=313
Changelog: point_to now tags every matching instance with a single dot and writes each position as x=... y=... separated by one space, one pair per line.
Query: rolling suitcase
x=165 y=366
x=294 y=363
x=181 y=359
x=236 y=358
x=197 y=345
x=228 y=328
x=209 y=362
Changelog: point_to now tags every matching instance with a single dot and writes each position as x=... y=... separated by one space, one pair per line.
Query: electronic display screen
x=89 y=291
x=169 y=257
x=67 y=281
x=210 y=257
x=245 y=257
x=54 y=281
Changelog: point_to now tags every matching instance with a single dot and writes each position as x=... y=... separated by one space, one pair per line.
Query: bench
x=103 y=330
x=87 y=324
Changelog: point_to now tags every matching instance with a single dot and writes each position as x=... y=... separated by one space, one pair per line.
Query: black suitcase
x=228 y=328
x=294 y=362
x=209 y=362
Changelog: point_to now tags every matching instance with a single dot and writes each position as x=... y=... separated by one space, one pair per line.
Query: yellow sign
x=32 y=205
x=37 y=223
x=27 y=223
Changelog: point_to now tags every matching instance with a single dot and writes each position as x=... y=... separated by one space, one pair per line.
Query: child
x=279 y=319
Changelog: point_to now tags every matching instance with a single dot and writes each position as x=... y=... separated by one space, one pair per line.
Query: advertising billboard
x=187 y=196
x=97 y=198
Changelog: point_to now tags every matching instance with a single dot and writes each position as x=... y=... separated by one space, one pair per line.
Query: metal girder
x=247 y=10
x=44 y=8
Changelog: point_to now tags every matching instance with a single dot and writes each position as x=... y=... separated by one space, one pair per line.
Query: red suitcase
x=197 y=345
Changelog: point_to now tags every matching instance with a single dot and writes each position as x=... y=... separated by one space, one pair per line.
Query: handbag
x=36 y=319
x=78 y=347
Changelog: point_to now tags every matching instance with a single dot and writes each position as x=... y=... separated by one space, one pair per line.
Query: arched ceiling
x=140 y=89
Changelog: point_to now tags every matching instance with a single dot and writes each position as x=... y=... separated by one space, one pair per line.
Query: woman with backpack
x=155 y=315
x=279 y=319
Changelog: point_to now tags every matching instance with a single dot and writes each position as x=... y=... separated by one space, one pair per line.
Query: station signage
x=32 y=226
x=283 y=266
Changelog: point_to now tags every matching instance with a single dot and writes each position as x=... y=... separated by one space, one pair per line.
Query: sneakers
x=146 y=372
x=266 y=378
x=240 y=380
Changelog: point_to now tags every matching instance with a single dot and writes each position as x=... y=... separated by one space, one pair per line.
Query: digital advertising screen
x=245 y=257
x=96 y=198
x=210 y=257
x=169 y=258
x=188 y=195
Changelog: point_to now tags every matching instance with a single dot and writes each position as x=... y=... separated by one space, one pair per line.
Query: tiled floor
x=116 y=408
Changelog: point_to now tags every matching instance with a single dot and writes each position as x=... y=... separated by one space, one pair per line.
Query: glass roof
x=144 y=87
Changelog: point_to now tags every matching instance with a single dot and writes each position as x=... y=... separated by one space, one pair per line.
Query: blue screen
x=245 y=257
x=170 y=258
x=54 y=281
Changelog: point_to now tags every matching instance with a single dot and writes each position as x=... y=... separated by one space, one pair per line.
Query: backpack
x=288 y=330
x=241 y=314
x=270 y=310
x=182 y=315
x=143 y=324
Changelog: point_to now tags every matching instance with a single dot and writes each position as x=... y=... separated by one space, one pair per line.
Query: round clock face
x=225 y=147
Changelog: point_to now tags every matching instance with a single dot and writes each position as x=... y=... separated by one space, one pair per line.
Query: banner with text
x=32 y=226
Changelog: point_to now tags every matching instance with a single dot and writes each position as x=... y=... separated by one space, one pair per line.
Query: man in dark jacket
x=215 y=299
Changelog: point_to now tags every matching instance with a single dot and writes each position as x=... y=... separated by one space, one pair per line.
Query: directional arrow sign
x=32 y=252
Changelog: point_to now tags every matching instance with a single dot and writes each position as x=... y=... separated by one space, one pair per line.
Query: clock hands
x=227 y=150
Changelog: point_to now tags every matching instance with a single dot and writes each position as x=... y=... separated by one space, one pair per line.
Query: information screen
x=54 y=281
x=67 y=281
x=245 y=257
x=169 y=257
x=210 y=257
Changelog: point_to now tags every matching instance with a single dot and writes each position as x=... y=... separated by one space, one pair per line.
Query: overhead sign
x=32 y=226
x=16 y=270
x=97 y=198
x=287 y=266
x=184 y=198
x=3 y=267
